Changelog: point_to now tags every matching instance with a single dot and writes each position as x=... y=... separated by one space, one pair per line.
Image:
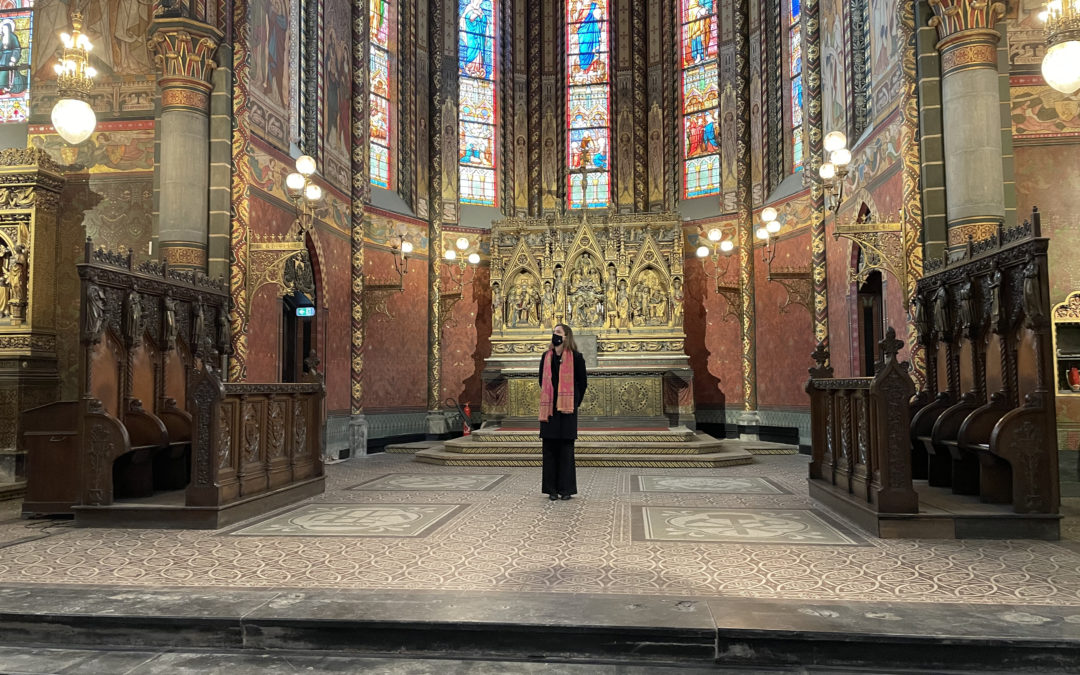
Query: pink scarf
x=565 y=402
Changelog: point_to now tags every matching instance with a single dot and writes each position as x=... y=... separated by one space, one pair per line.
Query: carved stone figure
x=677 y=302
x=94 y=322
x=13 y=282
x=611 y=298
x=496 y=306
x=132 y=316
x=622 y=302
x=919 y=318
x=547 y=305
x=223 y=331
x=964 y=313
x=169 y=323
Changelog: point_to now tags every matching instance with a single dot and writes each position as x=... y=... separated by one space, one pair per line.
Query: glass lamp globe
x=762 y=233
x=295 y=182
x=474 y=258
x=768 y=214
x=73 y=119
x=772 y=227
x=1061 y=66
x=702 y=251
x=834 y=140
x=450 y=254
x=406 y=247
x=462 y=243
x=313 y=192
x=827 y=171
x=305 y=164
x=727 y=246
x=715 y=234
x=840 y=158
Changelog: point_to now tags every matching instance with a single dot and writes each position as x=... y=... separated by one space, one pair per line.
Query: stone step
x=672 y=434
x=410 y=448
x=15 y=490
x=702 y=461
x=586 y=447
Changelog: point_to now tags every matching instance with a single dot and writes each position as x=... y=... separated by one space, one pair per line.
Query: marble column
x=971 y=116
x=184 y=52
x=29 y=310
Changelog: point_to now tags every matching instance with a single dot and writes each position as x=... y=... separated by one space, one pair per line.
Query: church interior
x=276 y=277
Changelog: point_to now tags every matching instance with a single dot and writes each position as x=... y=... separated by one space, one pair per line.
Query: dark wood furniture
x=981 y=448
x=155 y=438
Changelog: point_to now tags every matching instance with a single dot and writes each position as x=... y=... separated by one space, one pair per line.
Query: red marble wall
x=332 y=250
x=466 y=341
x=785 y=338
x=395 y=350
x=713 y=340
x=267 y=216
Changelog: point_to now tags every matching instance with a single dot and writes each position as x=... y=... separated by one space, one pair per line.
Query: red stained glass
x=700 y=98
x=588 y=111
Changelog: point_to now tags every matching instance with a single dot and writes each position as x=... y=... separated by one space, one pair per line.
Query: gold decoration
x=184 y=51
x=883 y=245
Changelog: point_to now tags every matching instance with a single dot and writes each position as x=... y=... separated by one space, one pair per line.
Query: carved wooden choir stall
x=978 y=458
x=156 y=438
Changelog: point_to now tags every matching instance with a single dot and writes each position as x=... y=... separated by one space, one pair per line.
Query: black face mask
x=556 y=340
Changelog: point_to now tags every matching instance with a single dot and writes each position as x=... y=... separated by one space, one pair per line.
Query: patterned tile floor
x=503 y=535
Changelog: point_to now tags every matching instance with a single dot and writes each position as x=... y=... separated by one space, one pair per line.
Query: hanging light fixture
x=1061 y=65
x=72 y=116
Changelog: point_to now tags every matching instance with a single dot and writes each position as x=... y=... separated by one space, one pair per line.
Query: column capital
x=184 y=54
x=955 y=17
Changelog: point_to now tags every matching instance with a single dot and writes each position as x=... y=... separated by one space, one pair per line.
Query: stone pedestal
x=184 y=51
x=358 y=435
x=749 y=425
x=28 y=320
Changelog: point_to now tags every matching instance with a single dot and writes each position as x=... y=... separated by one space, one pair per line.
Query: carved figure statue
x=995 y=299
x=132 y=316
x=677 y=302
x=1033 y=302
x=611 y=301
x=223 y=331
x=169 y=322
x=918 y=317
x=198 y=329
x=95 y=313
x=496 y=306
x=963 y=300
x=622 y=302
x=547 y=307
x=560 y=291
x=12 y=281
x=941 y=313
x=5 y=289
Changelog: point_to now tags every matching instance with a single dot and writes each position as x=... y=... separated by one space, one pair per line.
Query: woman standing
x=562 y=387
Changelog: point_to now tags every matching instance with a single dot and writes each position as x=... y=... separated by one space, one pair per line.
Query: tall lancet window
x=16 y=26
x=588 y=94
x=476 y=101
x=701 y=99
x=379 y=92
x=795 y=72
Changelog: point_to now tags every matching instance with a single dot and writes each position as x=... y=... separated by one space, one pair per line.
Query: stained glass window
x=700 y=99
x=16 y=28
x=795 y=72
x=379 y=94
x=476 y=102
x=588 y=93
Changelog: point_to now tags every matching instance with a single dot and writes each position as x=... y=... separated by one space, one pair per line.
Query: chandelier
x=1061 y=65
x=72 y=116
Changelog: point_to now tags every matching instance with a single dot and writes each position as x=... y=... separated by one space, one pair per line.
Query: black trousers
x=560 y=476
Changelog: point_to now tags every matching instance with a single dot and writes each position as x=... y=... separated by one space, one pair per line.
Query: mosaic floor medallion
x=355 y=520
x=420 y=481
x=731 y=485
x=736 y=526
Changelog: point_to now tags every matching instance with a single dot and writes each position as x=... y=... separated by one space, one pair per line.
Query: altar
x=618 y=284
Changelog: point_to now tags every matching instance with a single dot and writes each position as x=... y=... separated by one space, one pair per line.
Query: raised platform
x=15 y=490
x=640 y=629
x=674 y=447
x=942 y=515
x=167 y=510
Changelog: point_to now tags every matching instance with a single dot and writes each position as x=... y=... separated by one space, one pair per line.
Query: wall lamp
x=833 y=172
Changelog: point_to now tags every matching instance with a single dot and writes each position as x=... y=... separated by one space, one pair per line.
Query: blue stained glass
x=476 y=102
x=795 y=8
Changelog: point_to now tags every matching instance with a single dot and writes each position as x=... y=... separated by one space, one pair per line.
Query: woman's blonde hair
x=568 y=339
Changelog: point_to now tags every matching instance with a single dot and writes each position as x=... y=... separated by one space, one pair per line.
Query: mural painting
x=269 y=87
x=338 y=90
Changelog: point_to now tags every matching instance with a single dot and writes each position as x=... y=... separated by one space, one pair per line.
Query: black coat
x=564 y=425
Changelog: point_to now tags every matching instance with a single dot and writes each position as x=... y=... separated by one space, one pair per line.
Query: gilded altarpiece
x=618 y=283
x=30 y=185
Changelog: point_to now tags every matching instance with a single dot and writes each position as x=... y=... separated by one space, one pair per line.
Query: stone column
x=29 y=227
x=971 y=116
x=184 y=52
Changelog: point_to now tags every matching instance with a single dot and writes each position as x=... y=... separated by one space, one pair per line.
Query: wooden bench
x=984 y=321
x=148 y=336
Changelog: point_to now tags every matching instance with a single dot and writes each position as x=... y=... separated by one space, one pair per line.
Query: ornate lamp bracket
x=882 y=245
x=799 y=284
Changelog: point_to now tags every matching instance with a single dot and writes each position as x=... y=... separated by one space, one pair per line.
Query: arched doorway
x=300 y=315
